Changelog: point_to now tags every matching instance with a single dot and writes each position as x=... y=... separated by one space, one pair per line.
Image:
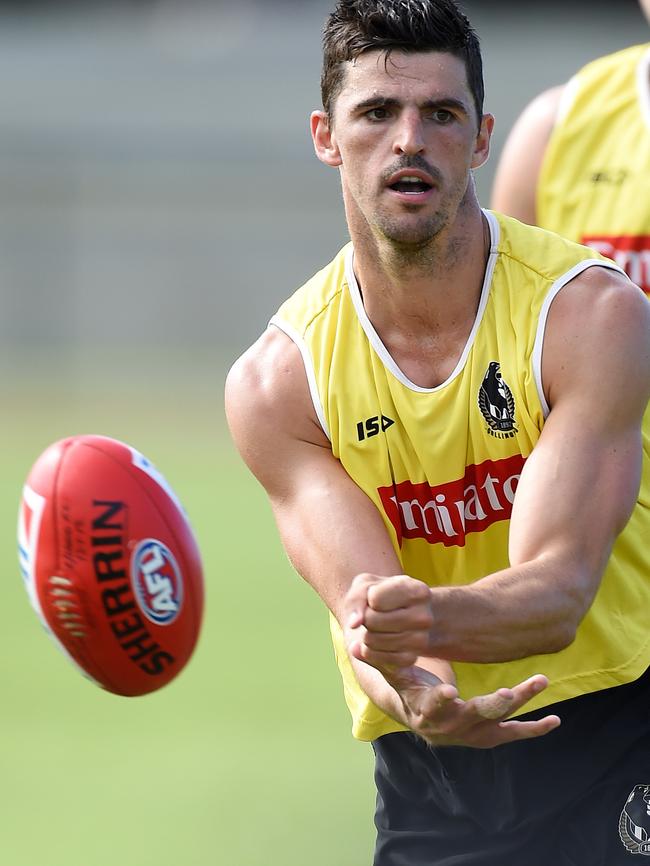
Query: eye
x=378 y=113
x=442 y=115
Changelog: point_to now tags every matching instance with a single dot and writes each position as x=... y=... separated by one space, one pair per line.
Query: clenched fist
x=389 y=623
x=395 y=619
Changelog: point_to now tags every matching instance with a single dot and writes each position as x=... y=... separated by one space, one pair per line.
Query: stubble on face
x=410 y=234
x=428 y=226
x=411 y=242
x=413 y=232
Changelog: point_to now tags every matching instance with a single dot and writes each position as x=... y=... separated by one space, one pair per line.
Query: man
x=578 y=160
x=445 y=359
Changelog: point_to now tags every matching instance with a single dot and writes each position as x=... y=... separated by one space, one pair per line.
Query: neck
x=428 y=288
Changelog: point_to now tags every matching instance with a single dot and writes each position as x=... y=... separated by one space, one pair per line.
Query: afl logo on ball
x=157 y=581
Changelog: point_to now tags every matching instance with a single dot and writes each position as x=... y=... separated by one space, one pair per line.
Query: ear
x=324 y=139
x=482 y=146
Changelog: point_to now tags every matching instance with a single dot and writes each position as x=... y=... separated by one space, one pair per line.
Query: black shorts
x=579 y=796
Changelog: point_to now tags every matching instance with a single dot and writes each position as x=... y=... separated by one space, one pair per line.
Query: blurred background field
x=158 y=199
x=246 y=758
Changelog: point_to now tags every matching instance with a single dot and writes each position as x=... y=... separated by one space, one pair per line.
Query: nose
x=409 y=134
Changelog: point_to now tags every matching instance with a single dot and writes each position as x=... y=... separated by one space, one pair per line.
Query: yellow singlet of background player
x=594 y=185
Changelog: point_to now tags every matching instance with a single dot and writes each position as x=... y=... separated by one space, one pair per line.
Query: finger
x=397 y=592
x=514 y=730
x=439 y=702
x=523 y=692
x=505 y=702
x=494 y=706
x=356 y=600
x=355 y=618
x=532 y=686
x=403 y=619
x=490 y=734
x=416 y=641
x=383 y=660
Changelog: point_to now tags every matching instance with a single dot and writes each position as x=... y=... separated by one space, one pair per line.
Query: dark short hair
x=357 y=26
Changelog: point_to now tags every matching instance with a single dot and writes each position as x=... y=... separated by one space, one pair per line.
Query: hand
x=397 y=618
x=436 y=713
x=389 y=623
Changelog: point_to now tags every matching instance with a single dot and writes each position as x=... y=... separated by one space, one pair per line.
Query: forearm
x=380 y=692
x=526 y=610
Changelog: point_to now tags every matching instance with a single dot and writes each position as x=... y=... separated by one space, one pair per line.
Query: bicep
x=581 y=481
x=515 y=184
x=575 y=495
x=329 y=527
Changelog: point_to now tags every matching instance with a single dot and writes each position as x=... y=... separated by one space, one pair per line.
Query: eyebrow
x=428 y=104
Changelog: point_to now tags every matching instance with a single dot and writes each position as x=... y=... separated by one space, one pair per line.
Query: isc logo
x=157 y=581
x=373 y=426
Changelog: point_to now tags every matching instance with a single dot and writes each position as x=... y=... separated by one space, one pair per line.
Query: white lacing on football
x=65 y=601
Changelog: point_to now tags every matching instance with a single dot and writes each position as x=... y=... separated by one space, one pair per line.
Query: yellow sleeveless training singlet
x=441 y=464
x=594 y=184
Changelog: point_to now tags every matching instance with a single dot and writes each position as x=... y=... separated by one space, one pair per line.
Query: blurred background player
x=578 y=160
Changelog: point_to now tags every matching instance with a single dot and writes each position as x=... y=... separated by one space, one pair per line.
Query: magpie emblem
x=496 y=403
x=634 y=823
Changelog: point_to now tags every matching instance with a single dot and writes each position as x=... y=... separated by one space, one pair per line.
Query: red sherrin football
x=110 y=563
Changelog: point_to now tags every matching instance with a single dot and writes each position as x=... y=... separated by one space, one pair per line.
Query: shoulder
x=525 y=150
x=260 y=371
x=597 y=340
x=315 y=297
x=515 y=183
x=601 y=88
x=623 y=61
x=541 y=112
x=268 y=384
x=544 y=254
x=268 y=390
x=601 y=301
x=268 y=403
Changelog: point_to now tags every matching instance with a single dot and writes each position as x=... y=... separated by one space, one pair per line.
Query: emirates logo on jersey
x=447 y=513
x=630 y=252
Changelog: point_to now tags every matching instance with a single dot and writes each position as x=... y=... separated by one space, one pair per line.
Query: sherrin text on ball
x=110 y=563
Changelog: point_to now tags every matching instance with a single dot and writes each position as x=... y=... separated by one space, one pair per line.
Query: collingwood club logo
x=634 y=823
x=497 y=404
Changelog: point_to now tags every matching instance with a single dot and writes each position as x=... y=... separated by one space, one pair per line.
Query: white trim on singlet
x=643 y=86
x=543 y=317
x=307 y=360
x=567 y=98
x=374 y=338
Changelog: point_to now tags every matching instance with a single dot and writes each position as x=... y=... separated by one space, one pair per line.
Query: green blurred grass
x=246 y=759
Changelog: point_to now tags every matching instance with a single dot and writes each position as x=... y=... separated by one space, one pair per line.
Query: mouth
x=410 y=185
